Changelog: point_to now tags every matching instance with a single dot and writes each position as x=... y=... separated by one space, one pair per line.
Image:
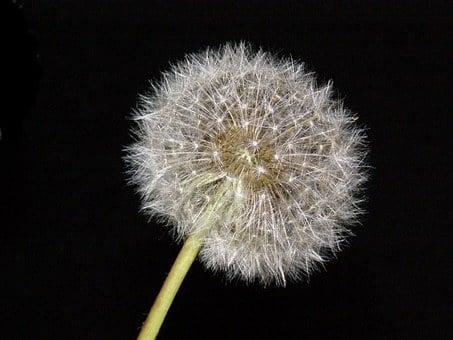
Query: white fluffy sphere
x=248 y=152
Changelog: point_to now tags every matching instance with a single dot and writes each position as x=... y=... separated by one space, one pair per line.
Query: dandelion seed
x=279 y=161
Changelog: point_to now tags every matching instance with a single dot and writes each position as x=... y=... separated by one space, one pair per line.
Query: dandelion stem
x=164 y=299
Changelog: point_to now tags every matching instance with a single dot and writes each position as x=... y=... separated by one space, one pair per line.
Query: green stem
x=169 y=289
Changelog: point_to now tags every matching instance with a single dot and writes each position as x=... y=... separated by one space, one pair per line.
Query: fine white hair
x=246 y=150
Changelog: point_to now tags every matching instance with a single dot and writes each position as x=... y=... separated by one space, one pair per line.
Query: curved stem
x=161 y=305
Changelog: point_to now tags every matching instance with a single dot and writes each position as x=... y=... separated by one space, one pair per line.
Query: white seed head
x=248 y=152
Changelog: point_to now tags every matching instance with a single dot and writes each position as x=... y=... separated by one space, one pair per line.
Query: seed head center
x=242 y=155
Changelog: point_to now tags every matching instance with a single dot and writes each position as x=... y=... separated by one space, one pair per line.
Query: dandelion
x=253 y=164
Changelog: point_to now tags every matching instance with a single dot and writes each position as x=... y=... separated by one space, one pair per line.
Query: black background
x=78 y=261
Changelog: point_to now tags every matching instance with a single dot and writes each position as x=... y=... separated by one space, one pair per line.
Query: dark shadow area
x=20 y=77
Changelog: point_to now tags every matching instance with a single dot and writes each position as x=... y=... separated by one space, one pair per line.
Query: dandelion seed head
x=247 y=151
